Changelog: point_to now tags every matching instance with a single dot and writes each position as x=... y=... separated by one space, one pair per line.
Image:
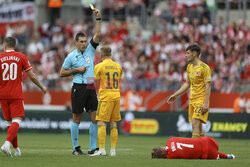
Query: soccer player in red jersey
x=12 y=65
x=190 y=148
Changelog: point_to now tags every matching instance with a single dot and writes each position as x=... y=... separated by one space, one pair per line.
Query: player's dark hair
x=158 y=153
x=10 y=42
x=80 y=34
x=106 y=51
x=194 y=48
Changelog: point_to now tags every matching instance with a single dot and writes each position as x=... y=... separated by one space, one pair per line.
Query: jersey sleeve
x=92 y=47
x=67 y=63
x=97 y=71
x=121 y=74
x=207 y=74
x=26 y=64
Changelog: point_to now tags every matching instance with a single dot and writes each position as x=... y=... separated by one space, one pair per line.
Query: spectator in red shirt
x=151 y=72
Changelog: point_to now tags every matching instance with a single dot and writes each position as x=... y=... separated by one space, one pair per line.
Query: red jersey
x=12 y=65
x=192 y=148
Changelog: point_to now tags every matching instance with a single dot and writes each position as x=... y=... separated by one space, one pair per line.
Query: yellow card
x=91 y=6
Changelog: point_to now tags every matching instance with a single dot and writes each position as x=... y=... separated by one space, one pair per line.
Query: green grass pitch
x=54 y=150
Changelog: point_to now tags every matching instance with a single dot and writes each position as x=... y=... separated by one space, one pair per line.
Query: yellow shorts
x=108 y=111
x=194 y=111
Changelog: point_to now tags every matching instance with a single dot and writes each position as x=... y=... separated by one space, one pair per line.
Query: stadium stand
x=152 y=58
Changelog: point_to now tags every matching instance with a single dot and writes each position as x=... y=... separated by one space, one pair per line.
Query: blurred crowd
x=161 y=58
x=151 y=59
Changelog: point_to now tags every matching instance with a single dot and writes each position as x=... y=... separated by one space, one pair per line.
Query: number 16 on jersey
x=112 y=80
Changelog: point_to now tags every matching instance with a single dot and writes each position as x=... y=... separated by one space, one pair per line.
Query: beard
x=190 y=60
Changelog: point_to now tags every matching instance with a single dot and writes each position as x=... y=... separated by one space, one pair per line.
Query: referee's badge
x=87 y=59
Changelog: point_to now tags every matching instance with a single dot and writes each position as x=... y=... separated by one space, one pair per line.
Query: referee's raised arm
x=97 y=34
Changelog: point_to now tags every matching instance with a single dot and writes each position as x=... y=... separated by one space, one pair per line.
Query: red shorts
x=210 y=148
x=12 y=108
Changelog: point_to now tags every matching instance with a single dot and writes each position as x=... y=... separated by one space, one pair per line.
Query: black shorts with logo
x=83 y=97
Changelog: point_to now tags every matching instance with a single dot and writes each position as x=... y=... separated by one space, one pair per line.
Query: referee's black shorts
x=83 y=97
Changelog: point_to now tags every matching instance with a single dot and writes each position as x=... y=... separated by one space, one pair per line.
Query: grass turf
x=54 y=150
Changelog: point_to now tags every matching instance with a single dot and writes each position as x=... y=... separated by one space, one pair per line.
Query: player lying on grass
x=190 y=148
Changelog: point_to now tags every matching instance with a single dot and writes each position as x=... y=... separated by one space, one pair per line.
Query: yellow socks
x=101 y=136
x=113 y=137
x=195 y=135
x=202 y=134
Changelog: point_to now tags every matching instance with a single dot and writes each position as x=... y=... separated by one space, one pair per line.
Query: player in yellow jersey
x=108 y=74
x=199 y=82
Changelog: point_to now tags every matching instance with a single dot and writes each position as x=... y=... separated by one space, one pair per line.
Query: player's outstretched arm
x=97 y=33
x=183 y=89
x=68 y=72
x=35 y=80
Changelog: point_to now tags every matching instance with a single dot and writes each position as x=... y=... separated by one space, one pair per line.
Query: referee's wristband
x=99 y=18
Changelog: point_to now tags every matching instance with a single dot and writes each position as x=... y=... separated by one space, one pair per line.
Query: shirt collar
x=198 y=64
x=9 y=51
x=79 y=53
x=108 y=59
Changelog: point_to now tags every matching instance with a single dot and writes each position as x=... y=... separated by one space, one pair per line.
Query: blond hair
x=106 y=51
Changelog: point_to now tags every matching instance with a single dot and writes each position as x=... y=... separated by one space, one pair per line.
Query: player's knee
x=93 y=120
x=77 y=118
x=195 y=127
x=92 y=115
x=196 y=123
x=100 y=123
x=113 y=124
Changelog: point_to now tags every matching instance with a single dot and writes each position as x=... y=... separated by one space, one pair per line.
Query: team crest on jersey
x=197 y=73
x=87 y=59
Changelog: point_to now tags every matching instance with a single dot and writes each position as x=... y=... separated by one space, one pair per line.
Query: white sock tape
x=17 y=121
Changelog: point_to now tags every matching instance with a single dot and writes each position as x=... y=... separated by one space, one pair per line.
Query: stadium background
x=148 y=39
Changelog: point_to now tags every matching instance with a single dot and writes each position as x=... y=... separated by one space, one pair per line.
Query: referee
x=79 y=63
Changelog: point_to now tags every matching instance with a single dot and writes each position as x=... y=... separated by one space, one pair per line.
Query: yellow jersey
x=109 y=74
x=198 y=76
